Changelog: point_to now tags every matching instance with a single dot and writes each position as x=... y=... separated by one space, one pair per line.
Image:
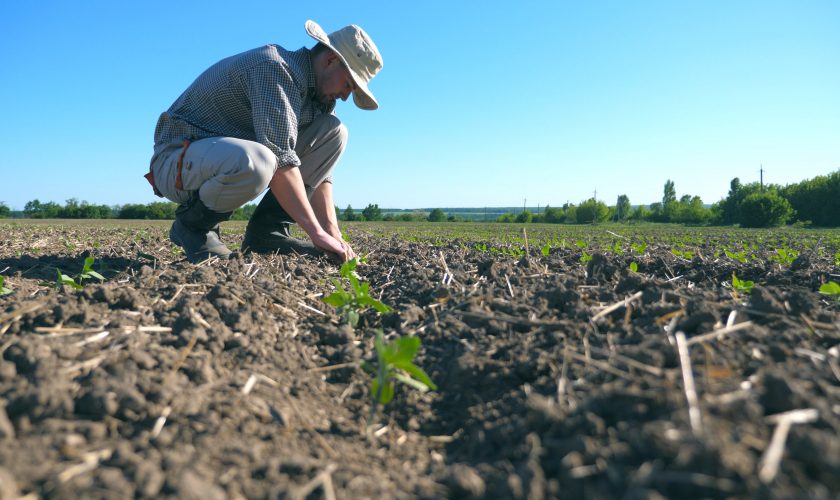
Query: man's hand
x=348 y=250
x=337 y=249
x=322 y=205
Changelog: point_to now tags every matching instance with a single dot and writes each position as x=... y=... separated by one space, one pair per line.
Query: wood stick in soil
x=688 y=385
x=617 y=305
x=768 y=466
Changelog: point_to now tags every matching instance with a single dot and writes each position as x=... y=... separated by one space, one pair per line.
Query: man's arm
x=324 y=208
x=287 y=186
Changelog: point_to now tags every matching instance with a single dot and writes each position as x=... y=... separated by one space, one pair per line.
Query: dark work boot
x=196 y=230
x=268 y=231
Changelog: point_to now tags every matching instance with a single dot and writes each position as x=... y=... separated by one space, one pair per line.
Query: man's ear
x=332 y=58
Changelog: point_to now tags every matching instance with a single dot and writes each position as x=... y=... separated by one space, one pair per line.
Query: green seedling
x=837 y=259
x=3 y=289
x=88 y=272
x=78 y=283
x=685 y=254
x=585 y=258
x=616 y=248
x=634 y=267
x=742 y=286
x=638 y=248
x=831 y=289
x=395 y=363
x=784 y=256
x=355 y=300
x=737 y=256
x=580 y=244
x=545 y=250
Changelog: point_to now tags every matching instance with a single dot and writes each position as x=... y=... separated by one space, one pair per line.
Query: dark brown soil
x=234 y=380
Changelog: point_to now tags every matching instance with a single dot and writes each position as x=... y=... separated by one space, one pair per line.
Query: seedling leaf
x=416 y=384
x=830 y=288
x=743 y=286
x=417 y=374
x=88 y=272
x=3 y=289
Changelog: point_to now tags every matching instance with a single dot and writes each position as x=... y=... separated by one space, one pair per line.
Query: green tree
x=622 y=207
x=349 y=214
x=765 y=209
x=691 y=211
x=506 y=217
x=669 y=193
x=437 y=215
x=37 y=210
x=5 y=211
x=816 y=200
x=524 y=217
x=641 y=213
x=570 y=211
x=553 y=215
x=592 y=211
x=657 y=214
x=372 y=212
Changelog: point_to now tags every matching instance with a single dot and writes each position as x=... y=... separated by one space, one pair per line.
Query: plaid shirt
x=263 y=95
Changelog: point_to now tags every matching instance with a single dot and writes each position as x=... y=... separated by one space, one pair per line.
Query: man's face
x=333 y=81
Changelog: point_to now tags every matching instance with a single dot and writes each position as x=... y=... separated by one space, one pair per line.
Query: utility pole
x=595 y=195
x=761 y=176
x=524 y=202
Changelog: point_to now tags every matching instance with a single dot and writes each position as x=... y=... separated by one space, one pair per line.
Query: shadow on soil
x=44 y=267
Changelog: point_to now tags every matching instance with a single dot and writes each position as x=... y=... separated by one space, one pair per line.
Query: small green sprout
x=395 y=364
x=585 y=258
x=616 y=248
x=580 y=244
x=88 y=272
x=3 y=289
x=78 y=283
x=784 y=256
x=351 y=302
x=638 y=248
x=634 y=267
x=545 y=250
x=737 y=256
x=837 y=259
x=742 y=286
x=831 y=289
x=685 y=254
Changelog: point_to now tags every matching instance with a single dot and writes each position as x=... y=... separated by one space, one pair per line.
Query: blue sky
x=482 y=103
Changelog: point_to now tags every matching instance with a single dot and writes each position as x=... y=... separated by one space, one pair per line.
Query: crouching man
x=263 y=119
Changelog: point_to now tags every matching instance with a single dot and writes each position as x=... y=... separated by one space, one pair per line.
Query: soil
x=232 y=379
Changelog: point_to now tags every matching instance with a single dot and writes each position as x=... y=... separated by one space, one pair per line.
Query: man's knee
x=327 y=128
x=339 y=131
x=257 y=166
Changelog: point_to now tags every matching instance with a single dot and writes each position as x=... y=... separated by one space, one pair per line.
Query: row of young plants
x=394 y=361
x=394 y=358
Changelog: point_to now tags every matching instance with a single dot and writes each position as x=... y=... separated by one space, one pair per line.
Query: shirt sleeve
x=276 y=102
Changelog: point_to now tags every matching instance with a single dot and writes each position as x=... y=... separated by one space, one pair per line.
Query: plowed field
x=560 y=371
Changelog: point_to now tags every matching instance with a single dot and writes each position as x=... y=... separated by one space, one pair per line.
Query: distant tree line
x=74 y=209
x=811 y=202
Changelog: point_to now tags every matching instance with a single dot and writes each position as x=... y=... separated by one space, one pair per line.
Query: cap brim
x=362 y=96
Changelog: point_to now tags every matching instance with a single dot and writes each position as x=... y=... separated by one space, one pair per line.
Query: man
x=263 y=119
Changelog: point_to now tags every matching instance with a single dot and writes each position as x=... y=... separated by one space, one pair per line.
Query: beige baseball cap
x=358 y=53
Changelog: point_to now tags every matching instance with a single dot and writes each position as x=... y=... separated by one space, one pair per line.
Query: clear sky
x=482 y=103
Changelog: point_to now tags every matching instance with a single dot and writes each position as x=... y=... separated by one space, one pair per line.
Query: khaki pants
x=228 y=172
